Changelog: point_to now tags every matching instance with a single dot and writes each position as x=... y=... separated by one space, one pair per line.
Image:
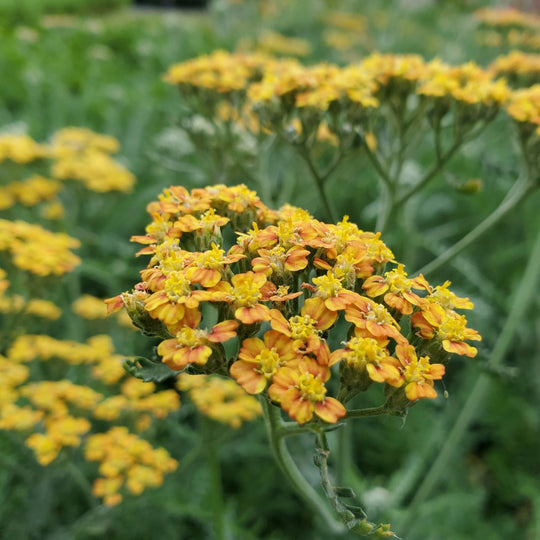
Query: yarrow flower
x=263 y=305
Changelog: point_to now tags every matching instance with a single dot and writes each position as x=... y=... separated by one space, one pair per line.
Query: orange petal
x=330 y=410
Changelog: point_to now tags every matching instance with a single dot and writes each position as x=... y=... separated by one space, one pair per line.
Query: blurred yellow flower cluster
x=518 y=67
x=524 y=107
x=220 y=399
x=80 y=154
x=37 y=250
x=278 y=94
x=20 y=149
x=509 y=26
x=126 y=462
x=38 y=401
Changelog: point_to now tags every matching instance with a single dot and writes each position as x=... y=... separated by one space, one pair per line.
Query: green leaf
x=148 y=370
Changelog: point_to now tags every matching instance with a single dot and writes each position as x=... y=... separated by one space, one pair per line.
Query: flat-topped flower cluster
x=272 y=89
x=306 y=312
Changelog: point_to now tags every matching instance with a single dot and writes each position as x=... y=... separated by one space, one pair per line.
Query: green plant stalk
x=273 y=422
x=216 y=489
x=472 y=406
x=514 y=198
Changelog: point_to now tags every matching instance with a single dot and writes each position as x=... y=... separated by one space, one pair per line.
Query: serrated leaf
x=148 y=370
x=344 y=492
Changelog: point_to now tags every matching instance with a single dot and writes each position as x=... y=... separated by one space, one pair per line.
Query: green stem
x=319 y=181
x=216 y=488
x=273 y=422
x=371 y=411
x=521 y=192
x=388 y=204
x=472 y=407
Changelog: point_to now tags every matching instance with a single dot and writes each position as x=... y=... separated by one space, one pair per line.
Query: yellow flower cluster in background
x=509 y=26
x=276 y=93
x=80 y=154
x=35 y=307
x=518 y=67
x=524 y=107
x=126 y=463
x=270 y=42
x=220 y=399
x=20 y=149
x=56 y=416
x=37 y=250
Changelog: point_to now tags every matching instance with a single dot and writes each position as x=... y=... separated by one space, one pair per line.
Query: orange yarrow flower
x=301 y=392
x=193 y=345
x=277 y=261
x=418 y=373
x=373 y=320
x=329 y=290
x=260 y=359
x=371 y=355
x=397 y=287
x=305 y=328
x=243 y=293
x=447 y=327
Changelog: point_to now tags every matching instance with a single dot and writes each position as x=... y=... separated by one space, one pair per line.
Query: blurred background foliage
x=100 y=65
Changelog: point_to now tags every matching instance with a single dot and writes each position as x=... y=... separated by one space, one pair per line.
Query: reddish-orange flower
x=373 y=320
x=301 y=392
x=208 y=268
x=170 y=304
x=418 y=373
x=259 y=360
x=244 y=293
x=397 y=287
x=306 y=327
x=371 y=355
x=329 y=290
x=447 y=327
x=193 y=345
x=278 y=261
x=178 y=200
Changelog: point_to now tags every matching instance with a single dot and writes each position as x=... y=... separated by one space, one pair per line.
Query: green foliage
x=29 y=13
x=105 y=73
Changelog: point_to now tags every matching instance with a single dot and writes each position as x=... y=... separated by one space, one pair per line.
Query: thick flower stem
x=273 y=422
x=216 y=489
x=472 y=407
x=515 y=197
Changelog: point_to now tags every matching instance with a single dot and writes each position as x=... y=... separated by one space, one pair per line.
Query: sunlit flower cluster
x=20 y=149
x=79 y=154
x=518 y=67
x=274 y=43
x=221 y=399
x=126 y=464
x=283 y=94
x=37 y=250
x=524 y=107
x=271 y=307
x=29 y=192
x=35 y=307
x=509 y=26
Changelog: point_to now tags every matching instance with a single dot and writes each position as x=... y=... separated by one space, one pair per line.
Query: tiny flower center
x=302 y=326
x=311 y=387
x=328 y=286
x=452 y=329
x=189 y=337
x=176 y=286
x=269 y=362
x=415 y=371
x=362 y=351
x=247 y=293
